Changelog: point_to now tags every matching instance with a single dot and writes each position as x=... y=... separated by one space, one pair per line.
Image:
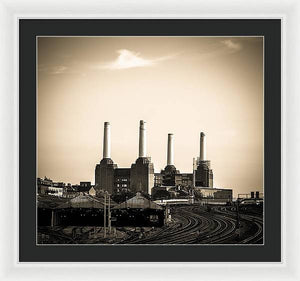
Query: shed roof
x=85 y=201
x=138 y=202
x=49 y=201
x=82 y=201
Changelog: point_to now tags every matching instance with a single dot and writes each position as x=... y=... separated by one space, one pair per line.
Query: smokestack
x=106 y=140
x=142 y=140
x=170 y=158
x=202 y=147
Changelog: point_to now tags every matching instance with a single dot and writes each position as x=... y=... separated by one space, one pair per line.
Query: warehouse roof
x=82 y=201
x=49 y=201
x=138 y=202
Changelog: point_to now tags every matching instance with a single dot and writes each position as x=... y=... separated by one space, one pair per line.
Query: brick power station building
x=140 y=177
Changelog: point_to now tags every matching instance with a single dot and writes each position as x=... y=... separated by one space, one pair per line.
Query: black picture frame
x=29 y=29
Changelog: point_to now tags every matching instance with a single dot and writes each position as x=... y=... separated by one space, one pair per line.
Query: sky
x=179 y=85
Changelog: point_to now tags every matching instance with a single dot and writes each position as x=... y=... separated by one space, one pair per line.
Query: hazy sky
x=179 y=85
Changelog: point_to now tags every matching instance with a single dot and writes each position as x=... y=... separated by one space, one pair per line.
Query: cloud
x=128 y=59
x=59 y=70
x=53 y=69
x=233 y=46
x=221 y=48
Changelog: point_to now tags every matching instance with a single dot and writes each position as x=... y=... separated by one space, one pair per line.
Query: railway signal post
x=104 y=228
x=109 y=215
x=238 y=217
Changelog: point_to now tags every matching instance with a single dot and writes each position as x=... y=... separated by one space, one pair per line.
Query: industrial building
x=138 y=211
x=203 y=172
x=85 y=210
x=140 y=177
x=202 y=175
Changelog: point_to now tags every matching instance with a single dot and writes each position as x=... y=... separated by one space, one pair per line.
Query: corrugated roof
x=82 y=201
x=138 y=202
x=49 y=201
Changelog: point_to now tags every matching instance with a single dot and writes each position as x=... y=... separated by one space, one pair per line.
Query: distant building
x=85 y=183
x=214 y=193
x=47 y=186
x=81 y=189
x=56 y=189
x=43 y=185
x=92 y=191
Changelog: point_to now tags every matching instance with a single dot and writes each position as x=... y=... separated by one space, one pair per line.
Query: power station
x=140 y=177
x=137 y=206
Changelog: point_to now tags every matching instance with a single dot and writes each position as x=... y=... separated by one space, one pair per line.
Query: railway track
x=57 y=236
x=178 y=228
x=193 y=225
x=258 y=235
x=257 y=221
x=188 y=228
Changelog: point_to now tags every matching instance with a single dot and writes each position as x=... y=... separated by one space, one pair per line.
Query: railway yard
x=190 y=224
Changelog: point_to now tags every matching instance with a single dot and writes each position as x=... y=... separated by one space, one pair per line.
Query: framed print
x=208 y=84
x=23 y=256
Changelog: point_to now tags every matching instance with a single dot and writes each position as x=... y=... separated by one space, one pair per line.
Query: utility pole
x=194 y=174
x=238 y=216
x=166 y=214
x=52 y=218
x=109 y=215
x=104 y=235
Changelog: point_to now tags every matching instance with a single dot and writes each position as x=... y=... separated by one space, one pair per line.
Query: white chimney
x=142 y=139
x=106 y=140
x=202 y=147
x=170 y=157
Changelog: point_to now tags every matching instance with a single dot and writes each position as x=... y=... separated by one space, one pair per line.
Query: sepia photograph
x=150 y=140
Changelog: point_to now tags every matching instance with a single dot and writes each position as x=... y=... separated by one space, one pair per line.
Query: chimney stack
x=170 y=158
x=202 y=147
x=106 y=140
x=142 y=139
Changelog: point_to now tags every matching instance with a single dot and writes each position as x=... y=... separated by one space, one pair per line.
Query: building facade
x=121 y=180
x=138 y=178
